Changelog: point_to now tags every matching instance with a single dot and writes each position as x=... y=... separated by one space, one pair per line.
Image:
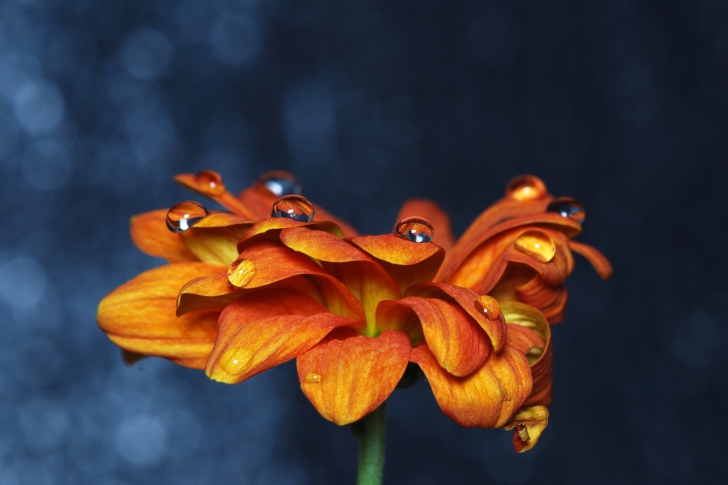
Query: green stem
x=370 y=433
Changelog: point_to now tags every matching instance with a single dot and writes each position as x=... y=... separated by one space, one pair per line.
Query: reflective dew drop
x=525 y=187
x=241 y=272
x=536 y=244
x=293 y=207
x=415 y=229
x=210 y=183
x=313 y=378
x=281 y=183
x=488 y=306
x=233 y=360
x=184 y=215
x=568 y=207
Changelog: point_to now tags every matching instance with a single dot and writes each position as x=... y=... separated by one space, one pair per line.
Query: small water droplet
x=568 y=207
x=488 y=306
x=415 y=229
x=234 y=359
x=293 y=207
x=313 y=378
x=525 y=187
x=209 y=183
x=241 y=272
x=184 y=215
x=536 y=244
x=280 y=183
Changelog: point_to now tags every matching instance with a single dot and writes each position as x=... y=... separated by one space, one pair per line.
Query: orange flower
x=520 y=248
x=140 y=316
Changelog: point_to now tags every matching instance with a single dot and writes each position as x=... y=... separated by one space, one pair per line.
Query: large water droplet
x=415 y=229
x=488 y=306
x=525 y=187
x=313 y=378
x=241 y=272
x=184 y=215
x=536 y=244
x=210 y=183
x=293 y=207
x=568 y=207
x=280 y=183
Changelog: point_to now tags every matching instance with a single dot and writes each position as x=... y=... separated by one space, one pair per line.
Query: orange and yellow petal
x=347 y=375
x=529 y=424
x=219 y=194
x=139 y=316
x=438 y=218
x=457 y=342
x=272 y=226
x=267 y=328
x=488 y=397
x=150 y=234
x=600 y=263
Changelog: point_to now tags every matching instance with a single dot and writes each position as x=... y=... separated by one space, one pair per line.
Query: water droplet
x=210 y=183
x=241 y=272
x=415 y=229
x=293 y=207
x=488 y=306
x=184 y=215
x=313 y=378
x=525 y=187
x=281 y=183
x=568 y=207
x=234 y=360
x=536 y=244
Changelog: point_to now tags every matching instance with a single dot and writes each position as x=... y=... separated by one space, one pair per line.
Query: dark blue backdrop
x=620 y=104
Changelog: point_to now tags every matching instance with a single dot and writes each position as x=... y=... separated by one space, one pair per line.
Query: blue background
x=620 y=104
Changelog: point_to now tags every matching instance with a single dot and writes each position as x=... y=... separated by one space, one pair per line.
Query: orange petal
x=149 y=232
x=322 y=245
x=212 y=292
x=529 y=423
x=598 y=260
x=495 y=329
x=224 y=198
x=487 y=398
x=267 y=328
x=347 y=376
x=549 y=300
x=139 y=316
x=434 y=215
x=456 y=341
x=273 y=225
x=215 y=238
x=539 y=354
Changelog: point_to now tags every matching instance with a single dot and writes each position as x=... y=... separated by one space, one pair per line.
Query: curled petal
x=549 y=300
x=597 y=259
x=322 y=245
x=139 y=316
x=456 y=341
x=535 y=343
x=495 y=329
x=212 y=292
x=347 y=376
x=529 y=423
x=149 y=232
x=267 y=328
x=273 y=225
x=434 y=215
x=488 y=397
x=226 y=199
x=214 y=239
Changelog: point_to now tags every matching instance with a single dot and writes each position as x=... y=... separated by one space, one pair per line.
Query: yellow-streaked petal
x=139 y=316
x=267 y=328
x=455 y=339
x=150 y=234
x=273 y=225
x=434 y=215
x=529 y=423
x=485 y=399
x=347 y=376
x=322 y=245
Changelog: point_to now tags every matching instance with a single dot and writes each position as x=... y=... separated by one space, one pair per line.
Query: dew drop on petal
x=415 y=229
x=210 y=183
x=313 y=378
x=233 y=360
x=293 y=207
x=525 y=187
x=568 y=207
x=184 y=215
x=488 y=306
x=536 y=244
x=281 y=183
x=241 y=272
